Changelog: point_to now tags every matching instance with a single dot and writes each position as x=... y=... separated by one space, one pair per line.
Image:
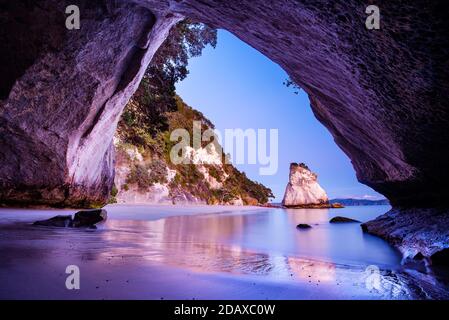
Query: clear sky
x=235 y=86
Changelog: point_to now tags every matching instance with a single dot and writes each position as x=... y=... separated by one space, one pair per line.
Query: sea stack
x=303 y=190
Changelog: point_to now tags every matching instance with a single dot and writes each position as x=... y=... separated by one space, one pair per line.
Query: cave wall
x=62 y=95
x=381 y=93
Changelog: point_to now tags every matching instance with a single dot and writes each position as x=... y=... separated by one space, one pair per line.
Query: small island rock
x=303 y=190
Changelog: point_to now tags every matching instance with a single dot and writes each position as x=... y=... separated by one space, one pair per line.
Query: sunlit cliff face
x=303 y=188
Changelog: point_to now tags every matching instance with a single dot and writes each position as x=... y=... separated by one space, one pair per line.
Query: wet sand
x=169 y=252
x=135 y=279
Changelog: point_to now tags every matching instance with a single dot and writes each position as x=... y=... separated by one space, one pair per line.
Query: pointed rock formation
x=303 y=190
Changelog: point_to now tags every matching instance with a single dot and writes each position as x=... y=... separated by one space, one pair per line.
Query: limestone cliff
x=142 y=177
x=145 y=173
x=303 y=190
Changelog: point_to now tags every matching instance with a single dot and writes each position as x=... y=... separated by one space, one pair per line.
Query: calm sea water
x=210 y=236
x=259 y=240
x=273 y=232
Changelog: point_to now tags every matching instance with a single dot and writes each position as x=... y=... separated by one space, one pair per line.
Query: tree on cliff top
x=156 y=93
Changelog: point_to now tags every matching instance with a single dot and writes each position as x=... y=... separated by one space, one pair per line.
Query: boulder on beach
x=89 y=218
x=303 y=226
x=82 y=219
x=339 y=219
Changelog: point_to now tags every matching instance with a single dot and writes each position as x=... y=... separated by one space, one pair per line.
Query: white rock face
x=156 y=194
x=200 y=156
x=214 y=184
x=164 y=193
x=303 y=189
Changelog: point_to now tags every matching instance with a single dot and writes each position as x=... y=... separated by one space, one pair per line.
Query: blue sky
x=235 y=86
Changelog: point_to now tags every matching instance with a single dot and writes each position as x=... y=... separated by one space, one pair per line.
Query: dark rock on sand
x=339 y=219
x=58 y=221
x=82 y=219
x=89 y=218
x=303 y=226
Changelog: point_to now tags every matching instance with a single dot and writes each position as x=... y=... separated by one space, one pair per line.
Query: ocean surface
x=258 y=241
x=245 y=243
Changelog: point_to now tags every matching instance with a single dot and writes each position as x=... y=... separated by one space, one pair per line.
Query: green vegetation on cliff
x=156 y=110
x=155 y=148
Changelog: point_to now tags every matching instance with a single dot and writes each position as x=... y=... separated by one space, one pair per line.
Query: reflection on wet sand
x=262 y=243
x=172 y=242
x=208 y=244
x=200 y=244
x=165 y=242
x=319 y=271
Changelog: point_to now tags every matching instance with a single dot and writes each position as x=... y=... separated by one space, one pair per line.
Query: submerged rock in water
x=339 y=219
x=303 y=190
x=58 y=221
x=82 y=219
x=89 y=218
x=303 y=226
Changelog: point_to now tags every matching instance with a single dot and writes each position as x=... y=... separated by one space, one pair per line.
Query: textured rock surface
x=382 y=93
x=413 y=231
x=303 y=189
x=89 y=218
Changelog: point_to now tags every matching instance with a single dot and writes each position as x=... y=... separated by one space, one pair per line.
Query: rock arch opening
x=235 y=86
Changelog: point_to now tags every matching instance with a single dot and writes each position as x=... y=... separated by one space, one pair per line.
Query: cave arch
x=379 y=92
